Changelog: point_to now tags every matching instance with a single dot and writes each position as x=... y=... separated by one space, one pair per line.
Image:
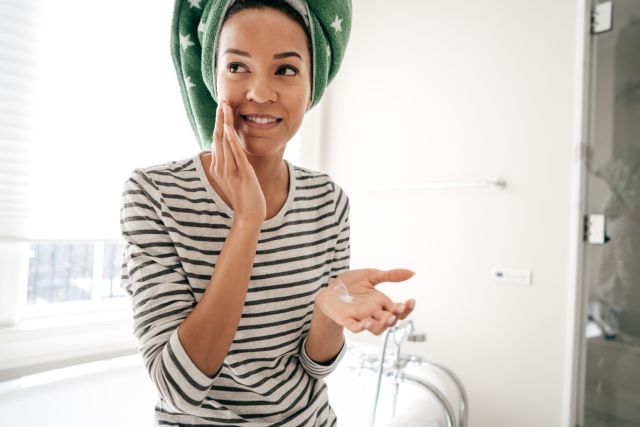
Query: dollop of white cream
x=343 y=292
x=346 y=298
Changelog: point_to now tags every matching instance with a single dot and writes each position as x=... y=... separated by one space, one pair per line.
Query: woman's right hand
x=233 y=172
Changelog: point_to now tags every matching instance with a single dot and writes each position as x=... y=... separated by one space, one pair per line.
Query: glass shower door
x=611 y=387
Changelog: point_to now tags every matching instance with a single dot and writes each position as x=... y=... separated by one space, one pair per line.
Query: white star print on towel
x=188 y=82
x=185 y=41
x=337 y=24
x=195 y=3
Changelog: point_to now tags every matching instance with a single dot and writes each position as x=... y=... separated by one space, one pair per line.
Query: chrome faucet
x=405 y=331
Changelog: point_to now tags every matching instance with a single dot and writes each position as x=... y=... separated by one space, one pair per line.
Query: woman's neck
x=272 y=174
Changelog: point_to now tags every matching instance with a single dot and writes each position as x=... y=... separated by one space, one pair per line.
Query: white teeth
x=261 y=120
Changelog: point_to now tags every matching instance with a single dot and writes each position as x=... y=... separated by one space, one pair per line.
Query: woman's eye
x=236 y=68
x=291 y=71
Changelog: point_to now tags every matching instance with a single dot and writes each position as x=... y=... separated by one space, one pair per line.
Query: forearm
x=325 y=338
x=207 y=333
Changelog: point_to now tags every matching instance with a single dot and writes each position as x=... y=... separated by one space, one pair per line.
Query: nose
x=260 y=90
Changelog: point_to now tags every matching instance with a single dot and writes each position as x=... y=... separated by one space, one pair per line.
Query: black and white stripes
x=175 y=225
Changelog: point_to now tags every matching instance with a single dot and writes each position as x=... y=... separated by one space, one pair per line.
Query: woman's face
x=263 y=72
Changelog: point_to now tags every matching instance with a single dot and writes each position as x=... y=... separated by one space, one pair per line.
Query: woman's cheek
x=223 y=92
x=230 y=92
x=304 y=101
x=303 y=97
x=223 y=88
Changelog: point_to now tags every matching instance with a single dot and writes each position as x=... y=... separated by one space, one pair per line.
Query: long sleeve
x=340 y=263
x=342 y=254
x=153 y=276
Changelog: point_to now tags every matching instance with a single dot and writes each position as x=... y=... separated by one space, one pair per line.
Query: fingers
x=218 y=125
x=389 y=316
x=217 y=155
x=230 y=159
x=357 y=326
x=398 y=275
x=230 y=165
x=381 y=321
x=400 y=307
x=385 y=318
x=394 y=275
x=236 y=148
x=228 y=114
x=389 y=305
x=229 y=155
x=404 y=309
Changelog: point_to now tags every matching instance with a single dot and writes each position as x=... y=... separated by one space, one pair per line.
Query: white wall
x=458 y=91
x=108 y=393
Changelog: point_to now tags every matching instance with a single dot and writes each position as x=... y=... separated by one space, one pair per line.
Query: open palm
x=352 y=300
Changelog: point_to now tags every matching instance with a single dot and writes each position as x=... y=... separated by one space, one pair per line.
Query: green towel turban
x=194 y=33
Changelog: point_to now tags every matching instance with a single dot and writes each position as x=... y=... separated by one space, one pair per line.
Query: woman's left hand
x=352 y=301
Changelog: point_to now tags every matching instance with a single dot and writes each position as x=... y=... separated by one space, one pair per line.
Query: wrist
x=325 y=337
x=319 y=316
x=246 y=224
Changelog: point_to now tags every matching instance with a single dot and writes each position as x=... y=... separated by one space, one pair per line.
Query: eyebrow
x=281 y=55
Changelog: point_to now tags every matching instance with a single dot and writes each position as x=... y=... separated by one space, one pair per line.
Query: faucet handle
x=417 y=337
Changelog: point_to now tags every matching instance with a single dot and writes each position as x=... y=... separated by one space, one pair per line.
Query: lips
x=260 y=121
x=260 y=118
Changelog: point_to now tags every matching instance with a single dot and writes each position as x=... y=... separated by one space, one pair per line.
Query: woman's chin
x=261 y=147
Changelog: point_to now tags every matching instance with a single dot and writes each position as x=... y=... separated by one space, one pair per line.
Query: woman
x=237 y=261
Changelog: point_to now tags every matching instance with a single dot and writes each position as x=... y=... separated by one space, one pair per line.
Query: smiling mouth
x=261 y=119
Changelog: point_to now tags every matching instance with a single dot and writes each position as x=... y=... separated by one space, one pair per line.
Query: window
x=77 y=271
x=86 y=98
x=82 y=104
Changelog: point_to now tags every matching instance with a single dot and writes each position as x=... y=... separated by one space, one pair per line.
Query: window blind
x=89 y=93
x=18 y=50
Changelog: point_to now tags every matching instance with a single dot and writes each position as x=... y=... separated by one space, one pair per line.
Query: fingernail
x=412 y=303
x=391 y=319
x=367 y=325
x=401 y=308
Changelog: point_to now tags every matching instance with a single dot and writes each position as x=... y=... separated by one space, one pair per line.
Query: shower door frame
x=576 y=347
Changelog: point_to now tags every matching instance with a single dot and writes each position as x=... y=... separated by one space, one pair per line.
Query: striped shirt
x=174 y=225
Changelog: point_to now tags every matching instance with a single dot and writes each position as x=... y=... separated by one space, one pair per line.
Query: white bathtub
x=352 y=394
x=118 y=392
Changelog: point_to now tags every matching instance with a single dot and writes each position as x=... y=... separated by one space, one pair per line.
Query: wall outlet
x=511 y=276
